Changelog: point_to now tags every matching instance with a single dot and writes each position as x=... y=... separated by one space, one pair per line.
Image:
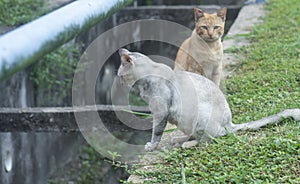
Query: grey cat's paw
x=151 y=146
x=179 y=139
x=189 y=144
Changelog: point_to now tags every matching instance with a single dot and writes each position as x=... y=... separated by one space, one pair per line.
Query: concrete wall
x=35 y=156
x=37 y=142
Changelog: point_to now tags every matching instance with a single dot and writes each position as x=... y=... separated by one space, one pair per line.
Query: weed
x=53 y=75
x=18 y=12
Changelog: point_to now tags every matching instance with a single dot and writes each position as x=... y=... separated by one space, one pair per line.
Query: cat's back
x=195 y=88
x=197 y=101
x=199 y=82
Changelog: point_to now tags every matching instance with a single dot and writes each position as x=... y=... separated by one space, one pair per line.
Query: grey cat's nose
x=123 y=51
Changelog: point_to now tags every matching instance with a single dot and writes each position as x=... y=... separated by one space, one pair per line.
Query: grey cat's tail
x=254 y=125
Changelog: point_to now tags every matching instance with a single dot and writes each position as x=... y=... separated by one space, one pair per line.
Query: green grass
x=243 y=158
x=52 y=75
x=18 y=12
x=267 y=82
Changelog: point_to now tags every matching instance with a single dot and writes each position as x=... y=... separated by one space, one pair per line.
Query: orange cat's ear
x=222 y=13
x=198 y=14
x=125 y=58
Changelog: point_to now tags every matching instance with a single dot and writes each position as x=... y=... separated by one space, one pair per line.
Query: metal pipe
x=25 y=45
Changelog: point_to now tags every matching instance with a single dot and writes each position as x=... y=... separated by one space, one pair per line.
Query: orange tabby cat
x=202 y=52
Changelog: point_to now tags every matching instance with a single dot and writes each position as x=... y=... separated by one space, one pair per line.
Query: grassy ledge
x=267 y=81
x=18 y=12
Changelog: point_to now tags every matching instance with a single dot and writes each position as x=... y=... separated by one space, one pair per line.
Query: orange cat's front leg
x=216 y=76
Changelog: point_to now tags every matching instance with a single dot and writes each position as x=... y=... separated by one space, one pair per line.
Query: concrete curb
x=249 y=16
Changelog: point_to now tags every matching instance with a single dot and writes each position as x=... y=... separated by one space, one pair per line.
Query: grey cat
x=190 y=101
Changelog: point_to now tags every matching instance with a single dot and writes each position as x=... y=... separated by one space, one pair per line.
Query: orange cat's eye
x=204 y=27
x=216 y=27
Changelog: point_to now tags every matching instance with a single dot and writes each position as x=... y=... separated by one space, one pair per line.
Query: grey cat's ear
x=123 y=51
x=125 y=58
x=222 y=13
x=198 y=14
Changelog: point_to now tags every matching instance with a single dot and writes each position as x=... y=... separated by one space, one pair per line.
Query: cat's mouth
x=211 y=39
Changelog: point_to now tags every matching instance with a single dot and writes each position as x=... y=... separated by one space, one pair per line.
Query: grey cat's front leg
x=157 y=131
x=160 y=117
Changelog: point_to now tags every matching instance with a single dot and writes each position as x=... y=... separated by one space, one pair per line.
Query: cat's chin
x=211 y=39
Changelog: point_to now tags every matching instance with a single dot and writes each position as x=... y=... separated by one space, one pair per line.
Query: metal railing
x=25 y=45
